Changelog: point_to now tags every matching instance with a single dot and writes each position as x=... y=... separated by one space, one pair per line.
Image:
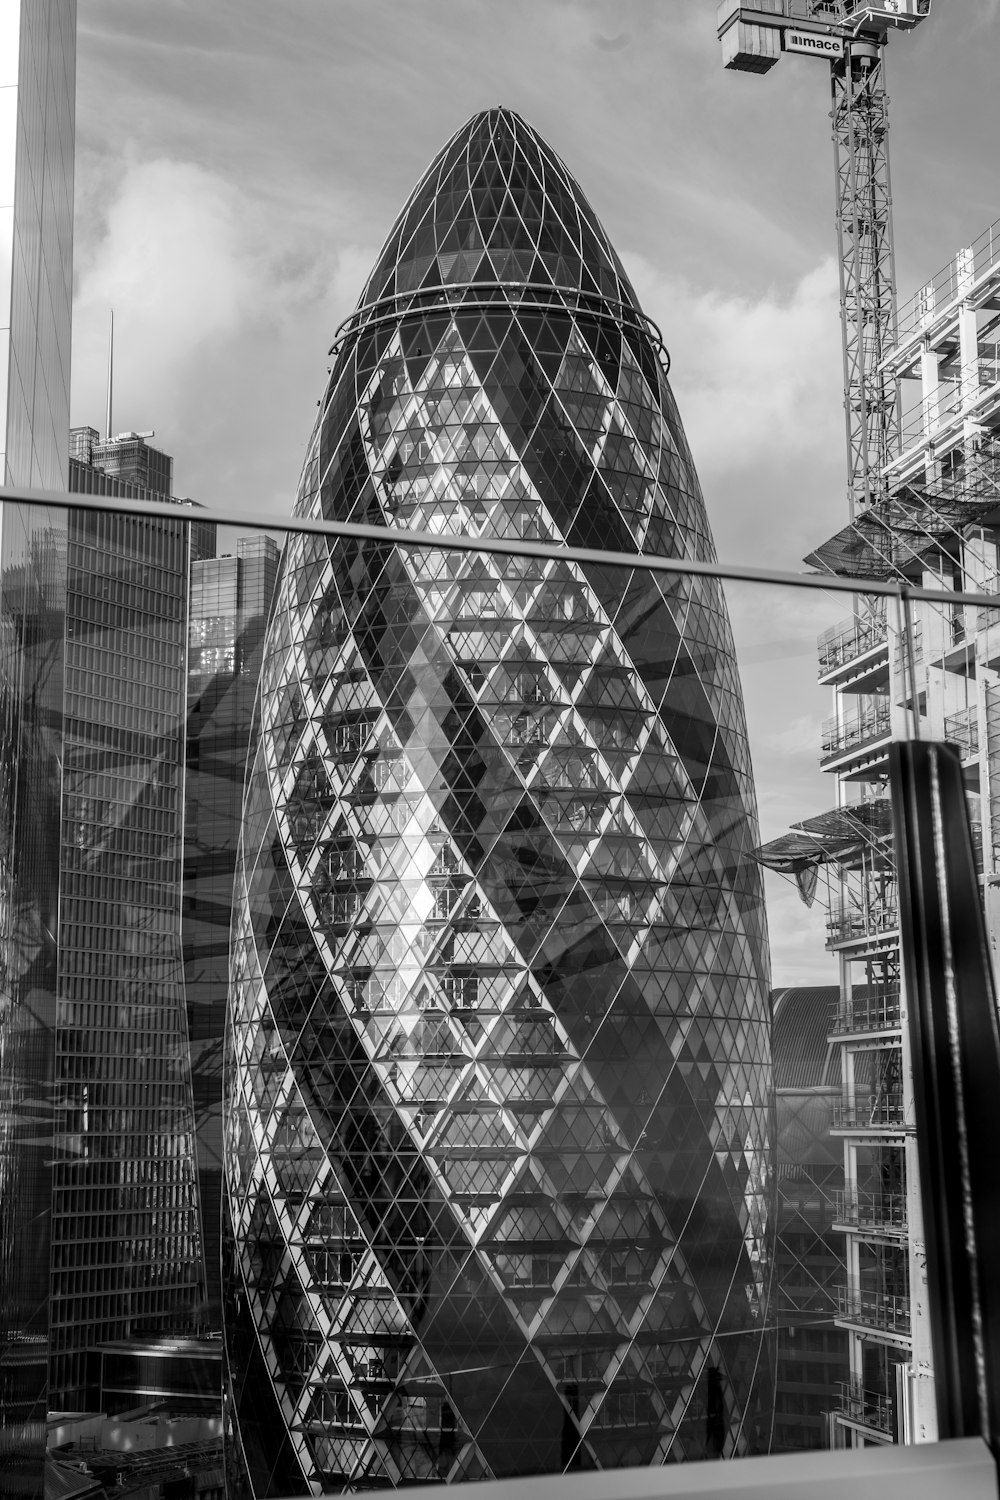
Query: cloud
x=182 y=263
x=981 y=16
x=797 y=935
x=223 y=315
x=759 y=377
x=758 y=382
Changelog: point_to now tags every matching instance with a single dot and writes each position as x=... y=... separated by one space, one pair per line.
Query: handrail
x=962 y=1466
x=948 y=284
x=840 y=736
x=849 y=639
x=494 y=546
x=863 y=1206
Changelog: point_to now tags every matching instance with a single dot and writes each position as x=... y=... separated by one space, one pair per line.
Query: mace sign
x=813 y=43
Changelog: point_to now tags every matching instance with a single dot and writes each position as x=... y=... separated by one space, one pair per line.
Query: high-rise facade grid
x=228 y=604
x=37 y=140
x=37 y=129
x=498 y=1091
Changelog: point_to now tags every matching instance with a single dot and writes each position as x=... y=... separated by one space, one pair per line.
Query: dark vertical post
x=955 y=1041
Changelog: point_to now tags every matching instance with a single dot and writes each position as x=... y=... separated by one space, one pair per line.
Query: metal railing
x=849 y=639
x=848 y=923
x=952 y=281
x=962 y=729
x=988 y=617
x=872 y=1012
x=864 y=1210
x=870 y=1408
x=881 y=1111
x=886 y=1310
x=853 y=734
x=950 y=399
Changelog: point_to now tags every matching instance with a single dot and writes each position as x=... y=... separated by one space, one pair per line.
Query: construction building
x=935 y=522
x=920 y=495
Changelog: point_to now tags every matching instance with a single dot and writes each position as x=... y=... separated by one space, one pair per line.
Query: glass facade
x=37 y=133
x=229 y=601
x=127 y=1255
x=151 y=1398
x=812 y=1367
x=498 y=1157
x=122 y=810
x=128 y=461
x=32 y=614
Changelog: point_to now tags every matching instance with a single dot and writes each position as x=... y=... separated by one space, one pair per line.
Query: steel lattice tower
x=851 y=35
x=866 y=265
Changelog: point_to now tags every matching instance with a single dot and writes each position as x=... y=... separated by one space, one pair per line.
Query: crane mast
x=851 y=36
x=860 y=118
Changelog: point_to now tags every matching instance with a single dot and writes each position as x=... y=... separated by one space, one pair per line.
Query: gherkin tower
x=498 y=1154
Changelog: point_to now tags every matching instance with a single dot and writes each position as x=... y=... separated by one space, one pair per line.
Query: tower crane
x=851 y=35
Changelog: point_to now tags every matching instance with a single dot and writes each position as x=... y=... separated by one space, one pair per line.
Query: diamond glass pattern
x=498 y=1160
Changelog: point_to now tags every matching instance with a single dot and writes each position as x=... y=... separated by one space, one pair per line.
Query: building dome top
x=495 y=206
x=804 y=1017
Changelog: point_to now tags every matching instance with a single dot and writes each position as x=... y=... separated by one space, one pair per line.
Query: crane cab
x=903 y=14
x=754 y=34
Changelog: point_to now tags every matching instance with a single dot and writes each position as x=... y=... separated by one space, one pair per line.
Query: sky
x=240 y=163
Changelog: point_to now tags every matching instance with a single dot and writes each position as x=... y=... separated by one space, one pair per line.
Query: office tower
x=128 y=468
x=102 y=1169
x=144 y=836
x=32 y=599
x=126 y=1243
x=812 y=1369
x=934 y=524
x=498 y=1087
x=37 y=132
x=127 y=457
x=229 y=600
x=37 y=96
x=99 y=1150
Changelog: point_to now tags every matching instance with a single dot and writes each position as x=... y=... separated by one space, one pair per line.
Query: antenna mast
x=111 y=369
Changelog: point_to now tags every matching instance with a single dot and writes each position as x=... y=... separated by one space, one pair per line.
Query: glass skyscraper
x=37 y=129
x=228 y=604
x=102 y=1262
x=126 y=1242
x=498 y=1166
x=37 y=136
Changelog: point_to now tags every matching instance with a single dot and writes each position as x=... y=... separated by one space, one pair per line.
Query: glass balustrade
x=425 y=1017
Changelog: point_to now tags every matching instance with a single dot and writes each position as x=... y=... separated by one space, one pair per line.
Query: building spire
x=111 y=369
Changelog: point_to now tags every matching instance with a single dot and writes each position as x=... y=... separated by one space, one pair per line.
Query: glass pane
x=391 y=940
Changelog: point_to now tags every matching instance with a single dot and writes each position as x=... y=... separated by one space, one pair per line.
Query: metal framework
x=866 y=264
x=852 y=35
x=895 y=587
